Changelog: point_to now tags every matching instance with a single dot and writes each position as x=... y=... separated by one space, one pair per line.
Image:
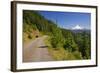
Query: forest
x=63 y=44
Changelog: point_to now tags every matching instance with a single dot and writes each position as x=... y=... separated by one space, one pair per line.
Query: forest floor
x=36 y=51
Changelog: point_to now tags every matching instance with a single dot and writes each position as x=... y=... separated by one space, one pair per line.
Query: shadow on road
x=43 y=46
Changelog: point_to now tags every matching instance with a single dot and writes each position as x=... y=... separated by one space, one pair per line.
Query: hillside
x=62 y=44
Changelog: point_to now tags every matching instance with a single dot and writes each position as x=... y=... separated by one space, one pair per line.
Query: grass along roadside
x=60 y=53
x=30 y=36
x=27 y=40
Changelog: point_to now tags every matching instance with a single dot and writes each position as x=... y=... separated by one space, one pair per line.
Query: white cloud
x=77 y=27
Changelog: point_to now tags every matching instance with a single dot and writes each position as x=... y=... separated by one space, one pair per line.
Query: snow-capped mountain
x=77 y=27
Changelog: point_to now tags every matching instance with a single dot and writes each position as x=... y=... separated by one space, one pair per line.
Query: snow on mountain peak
x=77 y=27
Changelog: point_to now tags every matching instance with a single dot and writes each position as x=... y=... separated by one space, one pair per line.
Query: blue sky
x=69 y=20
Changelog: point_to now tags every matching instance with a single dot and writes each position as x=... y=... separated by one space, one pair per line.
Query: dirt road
x=36 y=51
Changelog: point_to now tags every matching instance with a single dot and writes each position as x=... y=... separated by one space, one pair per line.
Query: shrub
x=29 y=36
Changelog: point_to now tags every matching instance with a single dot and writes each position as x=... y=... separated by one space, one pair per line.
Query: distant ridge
x=81 y=30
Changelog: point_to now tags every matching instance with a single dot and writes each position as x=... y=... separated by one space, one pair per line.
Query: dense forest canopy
x=77 y=45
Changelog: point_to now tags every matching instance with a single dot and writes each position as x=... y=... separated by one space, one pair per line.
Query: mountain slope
x=72 y=42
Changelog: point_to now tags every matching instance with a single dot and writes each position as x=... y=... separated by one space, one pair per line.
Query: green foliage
x=57 y=39
x=77 y=55
x=84 y=43
x=33 y=18
x=64 y=44
x=69 y=44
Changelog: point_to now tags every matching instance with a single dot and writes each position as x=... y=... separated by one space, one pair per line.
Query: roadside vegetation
x=63 y=44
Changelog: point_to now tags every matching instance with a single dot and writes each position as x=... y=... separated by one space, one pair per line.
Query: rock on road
x=36 y=51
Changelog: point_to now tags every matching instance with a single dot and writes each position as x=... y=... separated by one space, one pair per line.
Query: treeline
x=83 y=41
x=77 y=44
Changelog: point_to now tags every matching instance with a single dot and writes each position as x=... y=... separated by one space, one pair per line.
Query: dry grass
x=59 y=54
x=62 y=54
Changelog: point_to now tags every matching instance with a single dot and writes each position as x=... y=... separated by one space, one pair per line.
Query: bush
x=77 y=55
x=29 y=36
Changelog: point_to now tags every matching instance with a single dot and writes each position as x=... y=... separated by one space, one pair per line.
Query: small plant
x=29 y=36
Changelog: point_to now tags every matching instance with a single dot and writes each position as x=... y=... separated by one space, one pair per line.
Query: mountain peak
x=77 y=27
